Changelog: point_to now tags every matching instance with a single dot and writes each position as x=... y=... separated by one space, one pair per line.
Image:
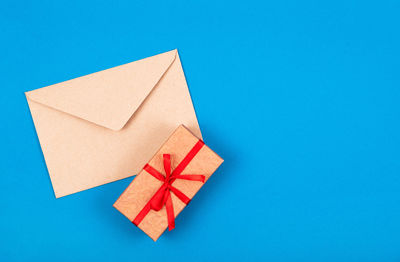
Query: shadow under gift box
x=138 y=194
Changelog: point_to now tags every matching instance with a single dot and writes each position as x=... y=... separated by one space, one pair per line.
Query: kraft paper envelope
x=105 y=126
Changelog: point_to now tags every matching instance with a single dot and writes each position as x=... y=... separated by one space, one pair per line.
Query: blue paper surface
x=301 y=99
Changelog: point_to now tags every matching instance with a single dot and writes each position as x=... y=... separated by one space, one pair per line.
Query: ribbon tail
x=152 y=171
x=167 y=166
x=200 y=178
x=170 y=212
x=184 y=198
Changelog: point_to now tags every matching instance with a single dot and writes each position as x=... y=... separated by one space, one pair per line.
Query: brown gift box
x=144 y=186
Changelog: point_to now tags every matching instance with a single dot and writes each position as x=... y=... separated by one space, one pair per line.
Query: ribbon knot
x=163 y=195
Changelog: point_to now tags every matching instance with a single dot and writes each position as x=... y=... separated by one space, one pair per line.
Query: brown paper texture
x=104 y=126
x=144 y=186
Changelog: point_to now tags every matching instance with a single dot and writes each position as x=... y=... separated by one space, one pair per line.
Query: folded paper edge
x=125 y=121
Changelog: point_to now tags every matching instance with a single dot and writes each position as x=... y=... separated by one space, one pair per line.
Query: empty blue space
x=301 y=99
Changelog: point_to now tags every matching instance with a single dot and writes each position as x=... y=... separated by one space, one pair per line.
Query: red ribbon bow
x=163 y=195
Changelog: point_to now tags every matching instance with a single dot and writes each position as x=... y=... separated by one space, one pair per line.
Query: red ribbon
x=163 y=195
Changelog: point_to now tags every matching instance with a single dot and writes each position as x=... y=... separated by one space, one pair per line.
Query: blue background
x=301 y=98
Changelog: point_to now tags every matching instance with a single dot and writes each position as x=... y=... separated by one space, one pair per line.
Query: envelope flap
x=107 y=98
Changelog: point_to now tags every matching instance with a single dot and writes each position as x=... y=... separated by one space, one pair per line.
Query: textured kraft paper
x=104 y=126
x=144 y=186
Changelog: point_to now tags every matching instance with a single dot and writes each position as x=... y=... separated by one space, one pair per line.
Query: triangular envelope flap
x=107 y=98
